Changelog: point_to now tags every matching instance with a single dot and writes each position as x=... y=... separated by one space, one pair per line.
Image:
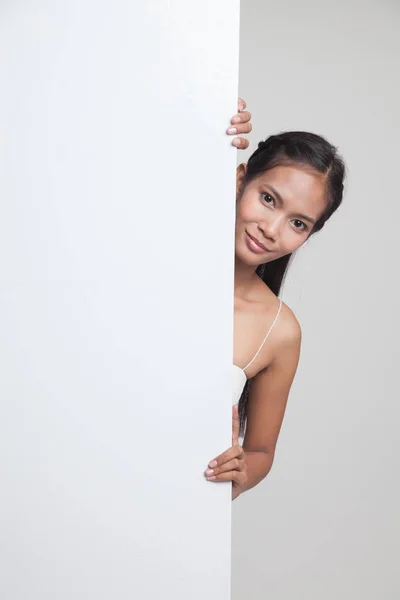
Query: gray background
x=325 y=523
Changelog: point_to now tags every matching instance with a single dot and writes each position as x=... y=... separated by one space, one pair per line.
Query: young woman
x=286 y=192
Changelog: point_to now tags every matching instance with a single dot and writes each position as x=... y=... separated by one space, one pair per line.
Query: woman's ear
x=241 y=171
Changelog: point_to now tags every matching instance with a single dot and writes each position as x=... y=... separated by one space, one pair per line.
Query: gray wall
x=325 y=523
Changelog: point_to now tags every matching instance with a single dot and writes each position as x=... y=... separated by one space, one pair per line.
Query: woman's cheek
x=248 y=212
x=296 y=241
x=241 y=216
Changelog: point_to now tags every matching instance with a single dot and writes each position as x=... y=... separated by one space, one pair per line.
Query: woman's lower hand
x=231 y=465
x=240 y=123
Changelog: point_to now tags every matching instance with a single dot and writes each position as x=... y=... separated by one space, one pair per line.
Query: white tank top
x=239 y=375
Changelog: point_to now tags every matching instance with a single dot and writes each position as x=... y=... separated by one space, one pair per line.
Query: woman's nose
x=270 y=228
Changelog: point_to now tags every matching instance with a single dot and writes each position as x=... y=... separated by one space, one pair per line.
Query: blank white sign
x=116 y=297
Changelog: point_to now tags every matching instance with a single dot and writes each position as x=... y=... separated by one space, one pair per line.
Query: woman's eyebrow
x=277 y=194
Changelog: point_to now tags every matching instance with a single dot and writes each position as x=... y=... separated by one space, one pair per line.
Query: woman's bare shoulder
x=284 y=335
x=290 y=326
x=287 y=329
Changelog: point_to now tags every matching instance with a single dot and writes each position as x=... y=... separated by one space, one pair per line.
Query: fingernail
x=236 y=120
x=232 y=130
x=236 y=142
x=211 y=478
x=213 y=463
x=209 y=471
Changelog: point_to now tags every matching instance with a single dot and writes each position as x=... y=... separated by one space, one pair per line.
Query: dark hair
x=310 y=151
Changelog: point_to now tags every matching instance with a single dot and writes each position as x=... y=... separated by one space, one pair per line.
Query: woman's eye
x=299 y=225
x=268 y=198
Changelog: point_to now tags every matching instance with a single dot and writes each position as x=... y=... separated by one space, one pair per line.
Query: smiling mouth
x=258 y=246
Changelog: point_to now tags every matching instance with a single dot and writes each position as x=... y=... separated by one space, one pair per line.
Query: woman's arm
x=268 y=394
x=247 y=465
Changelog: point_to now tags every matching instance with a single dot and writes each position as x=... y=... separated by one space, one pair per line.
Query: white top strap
x=265 y=339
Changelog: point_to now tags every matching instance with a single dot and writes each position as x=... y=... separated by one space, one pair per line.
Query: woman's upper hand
x=230 y=465
x=240 y=123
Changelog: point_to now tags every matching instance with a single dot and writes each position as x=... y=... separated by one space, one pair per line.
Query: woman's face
x=276 y=212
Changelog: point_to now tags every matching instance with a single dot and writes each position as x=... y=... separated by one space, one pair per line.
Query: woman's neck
x=245 y=277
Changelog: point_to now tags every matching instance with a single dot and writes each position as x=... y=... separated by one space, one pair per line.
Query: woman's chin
x=250 y=259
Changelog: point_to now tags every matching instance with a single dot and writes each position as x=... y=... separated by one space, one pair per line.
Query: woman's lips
x=255 y=246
